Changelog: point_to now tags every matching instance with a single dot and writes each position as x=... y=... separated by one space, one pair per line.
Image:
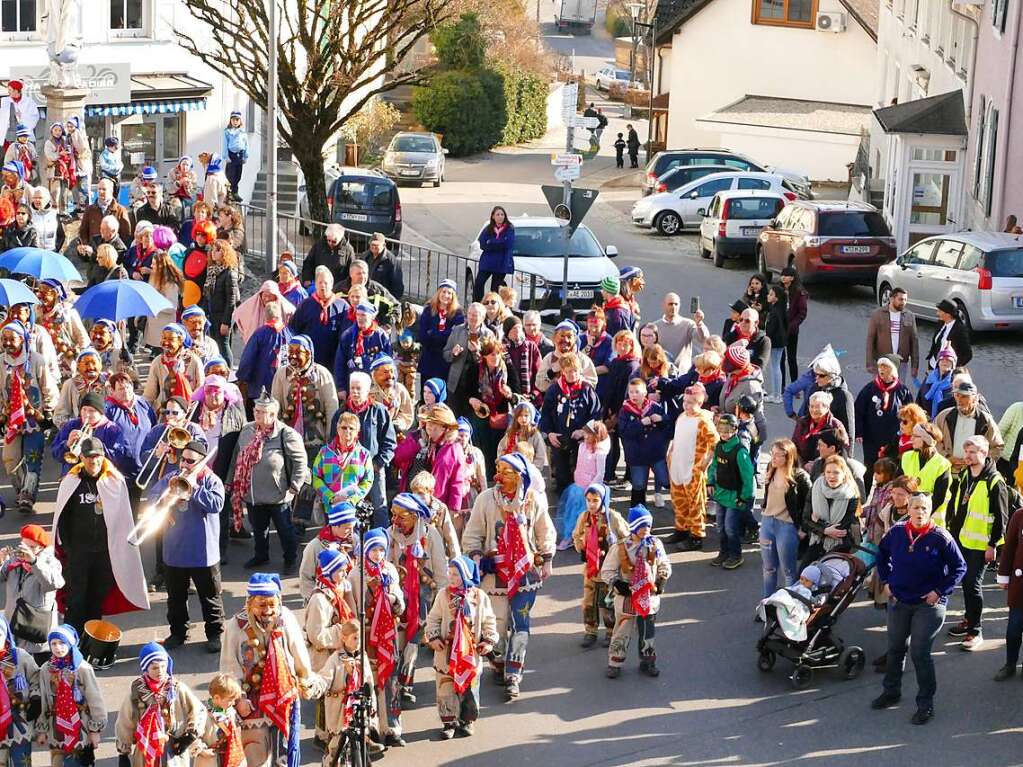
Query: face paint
x=171 y=342
x=298 y=357
x=101 y=337
x=89 y=367
x=11 y=342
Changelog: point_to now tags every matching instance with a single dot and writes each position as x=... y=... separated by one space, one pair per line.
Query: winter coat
x=348 y=361
x=933 y=391
x=459 y=336
x=440 y=622
x=187 y=714
x=376 y=433
x=221 y=302
x=1010 y=565
x=985 y=426
x=384 y=269
x=612 y=387
x=89 y=699
x=644 y=445
x=879 y=429
x=19 y=238
x=432 y=363
x=798 y=299
x=842 y=405
x=777 y=325
x=38 y=588
x=265 y=352
x=658 y=573
x=751 y=383
x=331 y=476
x=336 y=259
x=48 y=228
x=797 y=495
x=325 y=336
x=498 y=250
x=806 y=443
x=563 y=414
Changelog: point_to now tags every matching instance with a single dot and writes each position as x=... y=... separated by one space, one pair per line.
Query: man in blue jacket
x=568 y=405
x=323 y=317
x=920 y=565
x=359 y=346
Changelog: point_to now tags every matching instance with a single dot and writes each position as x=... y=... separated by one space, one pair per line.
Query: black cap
x=177 y=400
x=739 y=306
x=92 y=447
x=197 y=446
x=94 y=400
x=727 y=419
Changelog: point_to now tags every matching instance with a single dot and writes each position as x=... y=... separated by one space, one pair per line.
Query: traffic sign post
x=567 y=173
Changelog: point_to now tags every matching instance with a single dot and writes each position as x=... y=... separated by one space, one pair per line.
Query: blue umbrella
x=120 y=299
x=39 y=263
x=13 y=292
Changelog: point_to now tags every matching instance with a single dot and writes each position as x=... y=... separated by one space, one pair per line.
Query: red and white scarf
x=592 y=549
x=382 y=633
x=462 y=658
x=279 y=690
x=642 y=588
x=151 y=732
x=248 y=458
x=885 y=390
x=66 y=717
x=512 y=560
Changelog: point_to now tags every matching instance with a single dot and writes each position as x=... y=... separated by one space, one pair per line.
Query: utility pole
x=270 y=236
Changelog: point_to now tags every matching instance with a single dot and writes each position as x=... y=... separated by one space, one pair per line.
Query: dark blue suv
x=365 y=201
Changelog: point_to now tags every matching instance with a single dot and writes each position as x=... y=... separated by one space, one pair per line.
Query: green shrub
x=617 y=22
x=460 y=45
x=464 y=105
x=525 y=98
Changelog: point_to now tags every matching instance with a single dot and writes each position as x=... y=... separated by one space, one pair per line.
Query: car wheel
x=704 y=253
x=668 y=223
x=719 y=258
x=436 y=183
x=762 y=263
x=884 y=294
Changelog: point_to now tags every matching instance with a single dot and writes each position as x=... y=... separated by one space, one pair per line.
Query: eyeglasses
x=189 y=461
x=173 y=413
x=822 y=375
x=490 y=303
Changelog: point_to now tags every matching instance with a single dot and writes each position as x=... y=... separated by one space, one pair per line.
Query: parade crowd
x=422 y=469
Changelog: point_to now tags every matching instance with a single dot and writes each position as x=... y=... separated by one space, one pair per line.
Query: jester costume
x=62 y=322
x=19 y=700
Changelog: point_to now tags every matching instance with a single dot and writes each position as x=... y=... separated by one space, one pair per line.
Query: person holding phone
x=677 y=333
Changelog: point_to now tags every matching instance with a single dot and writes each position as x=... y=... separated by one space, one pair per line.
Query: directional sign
x=567 y=172
x=585 y=122
x=581 y=202
x=566 y=158
x=569 y=100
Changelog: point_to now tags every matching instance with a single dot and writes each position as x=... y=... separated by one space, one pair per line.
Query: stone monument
x=64 y=93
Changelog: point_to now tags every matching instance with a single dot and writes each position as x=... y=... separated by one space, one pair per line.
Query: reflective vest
x=976 y=530
x=927 y=477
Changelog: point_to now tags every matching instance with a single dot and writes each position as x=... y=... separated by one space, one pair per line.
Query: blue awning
x=146 y=108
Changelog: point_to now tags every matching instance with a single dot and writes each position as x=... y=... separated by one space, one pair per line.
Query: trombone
x=179 y=488
x=174 y=436
x=73 y=454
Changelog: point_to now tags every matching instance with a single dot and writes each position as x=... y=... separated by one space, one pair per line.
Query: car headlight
x=432 y=164
x=388 y=158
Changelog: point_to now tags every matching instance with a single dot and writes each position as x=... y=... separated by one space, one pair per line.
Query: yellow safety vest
x=927 y=476
x=977 y=526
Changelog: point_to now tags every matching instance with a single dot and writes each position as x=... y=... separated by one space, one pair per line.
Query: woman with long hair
x=798 y=300
x=167 y=279
x=776 y=327
x=834 y=510
x=231 y=227
x=490 y=397
x=220 y=294
x=440 y=315
x=497 y=246
x=755 y=296
x=495 y=313
x=786 y=490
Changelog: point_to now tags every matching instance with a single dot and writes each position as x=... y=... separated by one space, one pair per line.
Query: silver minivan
x=980 y=272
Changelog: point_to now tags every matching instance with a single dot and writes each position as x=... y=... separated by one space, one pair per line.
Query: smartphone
x=694 y=305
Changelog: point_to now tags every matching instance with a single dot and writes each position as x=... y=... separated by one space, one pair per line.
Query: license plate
x=855 y=248
x=579 y=293
x=409 y=172
x=354 y=217
x=1017 y=301
x=750 y=231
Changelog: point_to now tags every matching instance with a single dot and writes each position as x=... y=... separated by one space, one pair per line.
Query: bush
x=466 y=106
x=460 y=45
x=617 y=21
x=525 y=101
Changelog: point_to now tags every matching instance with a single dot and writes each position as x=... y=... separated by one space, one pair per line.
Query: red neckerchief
x=512 y=560
x=410 y=587
x=615 y=302
x=569 y=390
x=325 y=304
x=175 y=365
x=499 y=230
x=278 y=691
x=706 y=378
x=735 y=377
x=914 y=534
x=816 y=427
x=351 y=313
x=360 y=408
x=739 y=335
x=67 y=720
x=382 y=633
x=353 y=681
x=886 y=390
x=327 y=536
x=594 y=344
x=129 y=410
x=462 y=658
x=361 y=336
x=442 y=320
x=642 y=588
x=537 y=339
x=15 y=563
x=333 y=591
x=150 y=734
x=905 y=443
x=638 y=410
x=277 y=325
x=285 y=287
x=592 y=549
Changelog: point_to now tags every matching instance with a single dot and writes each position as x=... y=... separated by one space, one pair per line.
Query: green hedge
x=525 y=99
x=464 y=105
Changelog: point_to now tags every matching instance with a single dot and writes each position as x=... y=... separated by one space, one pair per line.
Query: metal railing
x=422 y=267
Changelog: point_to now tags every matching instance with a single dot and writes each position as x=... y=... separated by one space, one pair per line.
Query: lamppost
x=634 y=10
x=270 y=235
x=651 y=55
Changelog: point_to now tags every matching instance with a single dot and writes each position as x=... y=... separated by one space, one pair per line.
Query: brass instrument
x=483 y=411
x=179 y=488
x=73 y=454
x=174 y=436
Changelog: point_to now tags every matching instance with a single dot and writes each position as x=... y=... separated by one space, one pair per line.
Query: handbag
x=29 y=622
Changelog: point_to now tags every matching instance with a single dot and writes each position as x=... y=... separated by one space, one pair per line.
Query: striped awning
x=146 y=108
x=158 y=94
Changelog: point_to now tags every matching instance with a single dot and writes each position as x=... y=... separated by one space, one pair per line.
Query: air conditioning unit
x=831 y=22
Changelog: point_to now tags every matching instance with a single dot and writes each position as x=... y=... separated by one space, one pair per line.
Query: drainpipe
x=1010 y=81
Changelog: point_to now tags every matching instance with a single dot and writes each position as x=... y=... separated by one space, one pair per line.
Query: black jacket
x=336 y=259
x=796 y=496
x=165 y=215
x=19 y=238
x=777 y=326
x=385 y=270
x=958 y=339
x=222 y=300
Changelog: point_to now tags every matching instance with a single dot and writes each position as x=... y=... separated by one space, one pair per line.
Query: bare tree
x=333 y=57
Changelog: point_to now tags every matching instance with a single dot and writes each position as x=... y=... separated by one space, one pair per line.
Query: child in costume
x=221 y=743
x=597 y=530
x=20 y=706
x=347 y=673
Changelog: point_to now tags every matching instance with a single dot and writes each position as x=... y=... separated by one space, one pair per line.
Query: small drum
x=190 y=293
x=195 y=264
x=99 y=643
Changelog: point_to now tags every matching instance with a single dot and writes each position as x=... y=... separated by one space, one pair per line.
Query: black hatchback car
x=365 y=201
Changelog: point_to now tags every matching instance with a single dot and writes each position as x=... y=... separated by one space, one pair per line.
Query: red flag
x=410 y=587
x=278 y=691
x=353 y=681
x=512 y=560
x=382 y=635
x=17 y=419
x=150 y=735
x=67 y=720
x=593 y=550
x=462 y=658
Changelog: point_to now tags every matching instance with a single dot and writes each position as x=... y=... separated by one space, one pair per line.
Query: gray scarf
x=833 y=513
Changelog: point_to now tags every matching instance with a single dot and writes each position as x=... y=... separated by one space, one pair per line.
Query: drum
x=190 y=293
x=195 y=264
x=99 y=643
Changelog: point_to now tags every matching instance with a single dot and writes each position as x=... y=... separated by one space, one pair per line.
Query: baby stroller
x=821 y=648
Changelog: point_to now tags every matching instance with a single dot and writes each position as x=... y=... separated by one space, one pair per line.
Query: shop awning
x=158 y=94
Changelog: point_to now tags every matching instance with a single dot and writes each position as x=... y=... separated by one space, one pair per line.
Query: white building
x=145 y=88
x=788 y=82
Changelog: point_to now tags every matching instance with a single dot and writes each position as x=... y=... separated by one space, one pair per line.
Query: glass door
x=139 y=146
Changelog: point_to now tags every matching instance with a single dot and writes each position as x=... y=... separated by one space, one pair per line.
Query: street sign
x=569 y=100
x=581 y=202
x=566 y=159
x=585 y=122
x=567 y=172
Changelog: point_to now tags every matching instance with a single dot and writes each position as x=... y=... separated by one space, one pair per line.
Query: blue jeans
x=913 y=627
x=774 y=371
x=378 y=497
x=261 y=515
x=779 y=543
x=729 y=531
x=638 y=476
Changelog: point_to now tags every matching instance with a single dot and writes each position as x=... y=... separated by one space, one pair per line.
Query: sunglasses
x=173 y=413
x=490 y=303
x=189 y=461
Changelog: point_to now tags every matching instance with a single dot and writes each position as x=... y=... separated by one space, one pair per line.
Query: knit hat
x=13 y=166
x=301 y=340
x=89 y=352
x=340 y=514
x=53 y=282
x=509 y=323
x=448 y=284
x=264 y=585
x=465 y=425
x=69 y=636
x=174 y=327
x=213 y=362
x=197 y=446
x=611 y=284
x=290 y=265
x=467 y=569
x=149 y=173
x=332 y=560
x=438 y=387
x=154 y=651
x=518 y=462
x=94 y=400
x=599 y=488
x=534 y=415
x=36 y=534
x=377 y=537
x=639 y=517
x=737 y=356
x=366 y=309
x=748 y=404
x=812 y=573
x=379 y=361
x=567 y=325
x=236 y=113
x=886 y=360
x=948 y=353
x=628 y=272
x=412 y=502
x=22 y=130
x=193 y=311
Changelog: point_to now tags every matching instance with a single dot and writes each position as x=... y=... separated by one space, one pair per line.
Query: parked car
x=365 y=201
x=671 y=212
x=980 y=272
x=664 y=161
x=610 y=75
x=414 y=157
x=683 y=174
x=734 y=220
x=539 y=251
x=827 y=241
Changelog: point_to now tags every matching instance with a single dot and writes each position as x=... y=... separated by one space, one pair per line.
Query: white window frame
x=131 y=34
x=941 y=30
x=999 y=16
x=986 y=190
x=978 y=160
x=22 y=36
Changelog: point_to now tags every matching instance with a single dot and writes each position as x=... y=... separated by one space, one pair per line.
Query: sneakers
x=1005 y=672
x=408 y=697
x=923 y=715
x=465 y=729
x=447 y=733
x=718 y=560
x=884 y=700
x=972 y=641
x=659 y=500
x=613 y=672
x=732 y=563
x=393 y=740
x=961 y=629
x=512 y=689
x=588 y=640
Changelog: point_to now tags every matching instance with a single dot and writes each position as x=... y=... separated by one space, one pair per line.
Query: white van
x=733 y=221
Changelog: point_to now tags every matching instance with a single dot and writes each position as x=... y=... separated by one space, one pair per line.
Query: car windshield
x=547 y=242
x=362 y=194
x=753 y=208
x=413 y=144
x=852 y=223
x=1005 y=263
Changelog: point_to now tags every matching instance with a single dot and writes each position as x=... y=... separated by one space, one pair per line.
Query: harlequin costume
x=72 y=702
x=267 y=652
x=344 y=673
x=62 y=322
x=19 y=700
x=515 y=539
x=395 y=398
x=175 y=373
x=307 y=396
x=223 y=736
x=593 y=536
x=158 y=720
x=358 y=347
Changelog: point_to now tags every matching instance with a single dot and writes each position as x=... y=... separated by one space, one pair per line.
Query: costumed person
x=566 y=342
x=250 y=315
x=288 y=282
x=28 y=386
x=222 y=736
x=384 y=603
x=81 y=155
x=336 y=534
x=637 y=569
x=23 y=150
x=89 y=377
x=40 y=342
x=617 y=311
x=17 y=108
x=59 y=167
x=181 y=181
x=346 y=674
x=92 y=422
x=160 y=717
x=597 y=530
x=391 y=393
x=594 y=449
x=417 y=551
x=343 y=469
x=13 y=189
x=106 y=340
x=31 y=575
x=689 y=456
x=568 y=405
x=440 y=316
x=511 y=536
x=198 y=327
x=56 y=315
x=102 y=571
x=323 y=316
x=175 y=373
x=632 y=284
x=265 y=649
x=20 y=687
x=73 y=714
x=877 y=412
x=136 y=419
x=423 y=486
x=644 y=428
x=461 y=629
x=359 y=346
